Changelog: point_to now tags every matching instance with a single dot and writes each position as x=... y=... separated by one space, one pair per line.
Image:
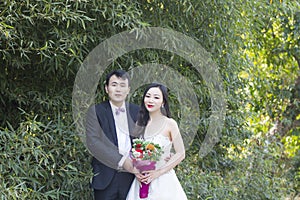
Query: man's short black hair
x=120 y=74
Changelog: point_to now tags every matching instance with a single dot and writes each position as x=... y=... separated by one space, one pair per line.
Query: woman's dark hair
x=143 y=116
x=120 y=74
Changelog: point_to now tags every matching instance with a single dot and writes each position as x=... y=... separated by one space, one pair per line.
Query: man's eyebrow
x=121 y=83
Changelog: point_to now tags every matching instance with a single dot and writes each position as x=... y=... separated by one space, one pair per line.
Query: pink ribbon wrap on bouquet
x=144 y=165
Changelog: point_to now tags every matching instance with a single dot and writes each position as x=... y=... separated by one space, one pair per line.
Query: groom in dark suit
x=108 y=125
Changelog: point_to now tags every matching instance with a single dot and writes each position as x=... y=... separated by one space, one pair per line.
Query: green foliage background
x=255 y=44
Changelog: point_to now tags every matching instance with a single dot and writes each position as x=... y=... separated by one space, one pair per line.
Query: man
x=108 y=126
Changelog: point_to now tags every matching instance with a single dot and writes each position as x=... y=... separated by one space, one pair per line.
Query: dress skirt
x=165 y=187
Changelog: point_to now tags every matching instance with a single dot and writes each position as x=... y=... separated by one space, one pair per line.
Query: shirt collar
x=113 y=107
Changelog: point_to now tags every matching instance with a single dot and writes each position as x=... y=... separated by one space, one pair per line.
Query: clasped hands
x=145 y=176
x=148 y=176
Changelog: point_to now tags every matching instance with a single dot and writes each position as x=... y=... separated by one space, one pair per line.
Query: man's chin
x=118 y=100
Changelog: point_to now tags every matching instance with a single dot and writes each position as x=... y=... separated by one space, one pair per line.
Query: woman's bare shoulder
x=172 y=122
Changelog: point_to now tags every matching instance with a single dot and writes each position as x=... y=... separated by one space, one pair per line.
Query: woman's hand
x=149 y=176
x=140 y=177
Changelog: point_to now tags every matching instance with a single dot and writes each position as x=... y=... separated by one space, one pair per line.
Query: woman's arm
x=175 y=159
x=178 y=145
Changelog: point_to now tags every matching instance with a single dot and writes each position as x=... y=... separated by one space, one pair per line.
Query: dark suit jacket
x=101 y=140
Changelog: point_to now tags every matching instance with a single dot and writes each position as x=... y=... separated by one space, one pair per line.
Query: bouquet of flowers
x=144 y=155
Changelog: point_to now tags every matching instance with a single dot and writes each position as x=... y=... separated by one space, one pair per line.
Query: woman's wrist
x=160 y=172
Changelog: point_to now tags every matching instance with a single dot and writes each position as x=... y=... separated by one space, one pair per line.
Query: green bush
x=43 y=44
x=43 y=161
x=49 y=161
x=255 y=173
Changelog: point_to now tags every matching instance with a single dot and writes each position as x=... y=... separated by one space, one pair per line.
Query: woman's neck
x=155 y=116
x=155 y=124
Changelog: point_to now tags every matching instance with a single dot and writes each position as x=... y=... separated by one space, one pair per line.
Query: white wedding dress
x=165 y=187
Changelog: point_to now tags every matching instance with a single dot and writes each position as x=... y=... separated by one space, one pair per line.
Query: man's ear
x=128 y=90
x=106 y=89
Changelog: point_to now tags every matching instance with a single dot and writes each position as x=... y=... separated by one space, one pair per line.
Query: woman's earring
x=163 y=110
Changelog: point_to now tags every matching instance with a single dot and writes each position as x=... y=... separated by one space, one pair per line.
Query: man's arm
x=97 y=142
x=101 y=147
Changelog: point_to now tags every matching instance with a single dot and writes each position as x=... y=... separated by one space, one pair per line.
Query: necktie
x=119 y=110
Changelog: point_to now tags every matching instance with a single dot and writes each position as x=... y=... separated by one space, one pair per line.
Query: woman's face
x=153 y=99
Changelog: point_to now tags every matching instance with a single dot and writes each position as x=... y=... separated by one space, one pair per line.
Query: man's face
x=117 y=90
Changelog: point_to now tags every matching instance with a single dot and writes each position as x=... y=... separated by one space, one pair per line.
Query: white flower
x=136 y=154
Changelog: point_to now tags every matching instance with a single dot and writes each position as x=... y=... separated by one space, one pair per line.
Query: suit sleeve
x=97 y=142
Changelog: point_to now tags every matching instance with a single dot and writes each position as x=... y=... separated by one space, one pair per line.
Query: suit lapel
x=111 y=123
x=129 y=119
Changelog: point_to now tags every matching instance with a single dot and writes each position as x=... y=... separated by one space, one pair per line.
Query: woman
x=159 y=128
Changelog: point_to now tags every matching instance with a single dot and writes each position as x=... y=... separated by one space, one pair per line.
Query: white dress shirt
x=121 y=124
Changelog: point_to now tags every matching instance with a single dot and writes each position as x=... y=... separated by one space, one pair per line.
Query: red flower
x=141 y=152
x=145 y=150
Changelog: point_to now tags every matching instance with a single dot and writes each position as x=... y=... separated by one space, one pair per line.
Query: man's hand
x=128 y=166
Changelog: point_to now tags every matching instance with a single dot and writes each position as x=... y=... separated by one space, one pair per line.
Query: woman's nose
x=150 y=100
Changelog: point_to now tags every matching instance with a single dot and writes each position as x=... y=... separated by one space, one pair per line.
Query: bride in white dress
x=163 y=130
